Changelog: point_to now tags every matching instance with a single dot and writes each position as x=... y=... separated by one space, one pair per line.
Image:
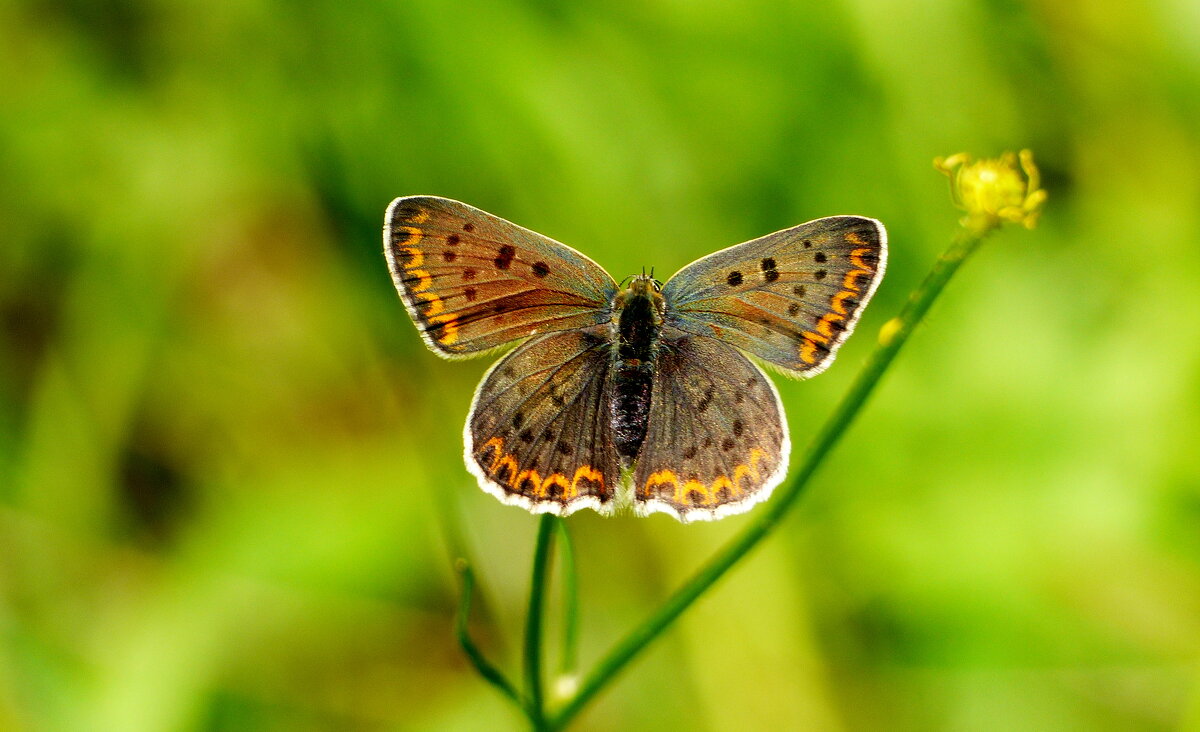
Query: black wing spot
x=505 y=259
x=449 y=256
x=738 y=428
x=504 y=474
x=793 y=309
x=564 y=448
x=452 y=240
x=528 y=479
x=468 y=227
x=728 y=444
x=689 y=453
x=517 y=419
x=469 y=273
x=770 y=273
x=820 y=257
x=799 y=290
x=540 y=269
x=526 y=436
x=820 y=274
x=469 y=293
x=807 y=244
x=734 y=278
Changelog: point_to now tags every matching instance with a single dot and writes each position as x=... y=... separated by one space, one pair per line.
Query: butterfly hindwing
x=717 y=441
x=789 y=298
x=473 y=281
x=538 y=432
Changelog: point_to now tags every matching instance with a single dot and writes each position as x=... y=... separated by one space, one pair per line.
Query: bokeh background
x=231 y=484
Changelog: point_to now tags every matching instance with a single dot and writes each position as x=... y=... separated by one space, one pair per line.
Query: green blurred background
x=231 y=482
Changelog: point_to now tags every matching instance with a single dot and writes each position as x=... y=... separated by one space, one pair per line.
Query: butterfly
x=636 y=394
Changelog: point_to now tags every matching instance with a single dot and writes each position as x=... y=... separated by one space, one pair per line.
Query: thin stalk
x=894 y=336
x=570 y=604
x=489 y=672
x=533 y=621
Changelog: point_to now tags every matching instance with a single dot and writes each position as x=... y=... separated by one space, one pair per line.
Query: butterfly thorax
x=638 y=321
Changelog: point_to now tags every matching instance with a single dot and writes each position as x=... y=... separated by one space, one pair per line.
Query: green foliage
x=232 y=479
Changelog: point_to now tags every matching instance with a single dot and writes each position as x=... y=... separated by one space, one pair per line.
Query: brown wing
x=538 y=433
x=717 y=441
x=472 y=281
x=790 y=298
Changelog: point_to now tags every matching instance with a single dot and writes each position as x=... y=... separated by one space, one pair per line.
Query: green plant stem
x=843 y=415
x=570 y=603
x=533 y=621
x=489 y=672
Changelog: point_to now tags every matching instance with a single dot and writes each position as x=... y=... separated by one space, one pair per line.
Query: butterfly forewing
x=717 y=441
x=789 y=298
x=473 y=281
x=538 y=432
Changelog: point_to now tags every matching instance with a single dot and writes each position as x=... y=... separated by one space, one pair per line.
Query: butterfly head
x=643 y=284
x=640 y=293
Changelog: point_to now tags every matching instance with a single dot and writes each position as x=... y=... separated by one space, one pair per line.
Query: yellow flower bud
x=889 y=330
x=994 y=191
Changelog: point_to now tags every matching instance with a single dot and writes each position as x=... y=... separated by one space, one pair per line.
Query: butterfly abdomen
x=638 y=325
